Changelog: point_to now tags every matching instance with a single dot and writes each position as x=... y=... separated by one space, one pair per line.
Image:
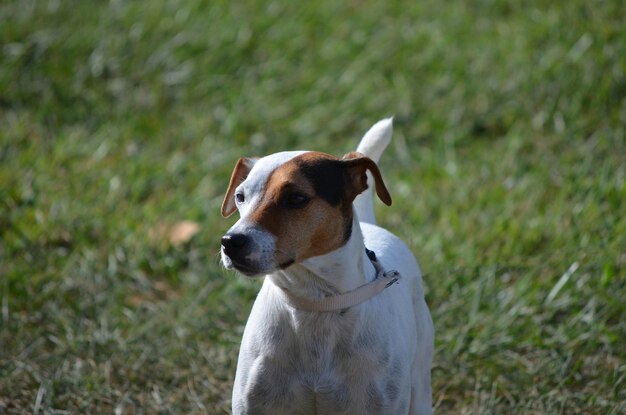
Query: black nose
x=234 y=242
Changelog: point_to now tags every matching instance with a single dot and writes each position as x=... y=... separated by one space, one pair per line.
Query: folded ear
x=241 y=171
x=357 y=166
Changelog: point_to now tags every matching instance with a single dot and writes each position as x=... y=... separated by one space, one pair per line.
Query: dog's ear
x=357 y=166
x=241 y=171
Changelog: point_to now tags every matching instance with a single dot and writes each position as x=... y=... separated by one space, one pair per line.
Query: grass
x=508 y=172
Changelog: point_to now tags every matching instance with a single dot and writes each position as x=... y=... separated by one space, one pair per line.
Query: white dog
x=336 y=328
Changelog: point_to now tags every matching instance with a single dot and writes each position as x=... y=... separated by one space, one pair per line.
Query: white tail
x=372 y=145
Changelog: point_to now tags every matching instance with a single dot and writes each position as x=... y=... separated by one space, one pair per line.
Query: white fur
x=373 y=358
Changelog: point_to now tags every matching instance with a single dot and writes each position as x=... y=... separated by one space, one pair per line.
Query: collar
x=348 y=299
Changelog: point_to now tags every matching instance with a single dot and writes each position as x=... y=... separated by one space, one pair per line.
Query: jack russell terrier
x=340 y=325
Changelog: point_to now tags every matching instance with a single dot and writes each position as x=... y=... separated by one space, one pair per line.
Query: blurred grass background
x=507 y=170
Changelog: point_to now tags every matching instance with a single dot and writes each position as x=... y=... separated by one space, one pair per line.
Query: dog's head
x=292 y=206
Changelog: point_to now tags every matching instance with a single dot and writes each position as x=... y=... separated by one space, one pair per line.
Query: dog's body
x=298 y=225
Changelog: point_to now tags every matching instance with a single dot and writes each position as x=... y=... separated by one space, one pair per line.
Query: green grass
x=508 y=172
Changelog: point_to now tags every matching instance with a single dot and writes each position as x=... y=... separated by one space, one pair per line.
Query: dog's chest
x=330 y=363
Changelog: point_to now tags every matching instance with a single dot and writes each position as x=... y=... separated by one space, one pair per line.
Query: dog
x=340 y=325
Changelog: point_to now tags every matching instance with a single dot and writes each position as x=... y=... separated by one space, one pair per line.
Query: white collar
x=345 y=300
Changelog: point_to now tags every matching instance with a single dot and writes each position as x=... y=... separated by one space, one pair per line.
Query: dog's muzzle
x=236 y=247
x=249 y=250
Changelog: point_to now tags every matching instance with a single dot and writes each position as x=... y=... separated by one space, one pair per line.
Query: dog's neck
x=336 y=272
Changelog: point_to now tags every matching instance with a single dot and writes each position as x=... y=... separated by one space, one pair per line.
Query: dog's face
x=293 y=206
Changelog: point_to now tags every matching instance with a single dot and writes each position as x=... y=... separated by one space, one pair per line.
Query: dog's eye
x=295 y=200
x=239 y=197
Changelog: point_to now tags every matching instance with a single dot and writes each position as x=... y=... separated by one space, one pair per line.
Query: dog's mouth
x=247 y=269
x=286 y=264
x=254 y=271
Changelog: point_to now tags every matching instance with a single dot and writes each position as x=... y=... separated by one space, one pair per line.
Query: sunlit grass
x=507 y=171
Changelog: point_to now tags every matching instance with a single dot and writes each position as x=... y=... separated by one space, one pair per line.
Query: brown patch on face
x=316 y=226
x=307 y=203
